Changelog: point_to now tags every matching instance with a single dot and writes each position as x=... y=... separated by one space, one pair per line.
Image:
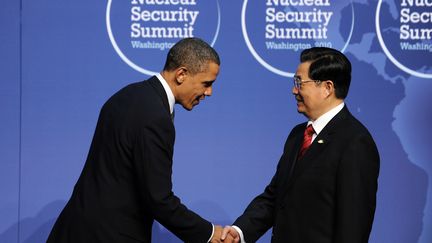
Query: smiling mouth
x=299 y=103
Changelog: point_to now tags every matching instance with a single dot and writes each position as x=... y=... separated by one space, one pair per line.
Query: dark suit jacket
x=126 y=181
x=328 y=196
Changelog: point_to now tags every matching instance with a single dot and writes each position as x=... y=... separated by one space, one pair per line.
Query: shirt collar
x=168 y=91
x=319 y=124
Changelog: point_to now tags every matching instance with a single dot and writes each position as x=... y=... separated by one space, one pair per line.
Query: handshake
x=226 y=235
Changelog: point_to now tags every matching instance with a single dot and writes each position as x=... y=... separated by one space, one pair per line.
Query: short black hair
x=329 y=64
x=193 y=53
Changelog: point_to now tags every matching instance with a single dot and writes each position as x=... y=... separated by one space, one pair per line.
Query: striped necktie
x=307 y=140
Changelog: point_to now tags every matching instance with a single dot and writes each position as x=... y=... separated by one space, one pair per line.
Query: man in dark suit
x=126 y=181
x=324 y=189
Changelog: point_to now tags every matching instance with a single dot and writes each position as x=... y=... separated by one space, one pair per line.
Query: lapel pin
x=320 y=141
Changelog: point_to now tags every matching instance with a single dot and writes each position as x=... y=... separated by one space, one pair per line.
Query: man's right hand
x=216 y=234
x=230 y=235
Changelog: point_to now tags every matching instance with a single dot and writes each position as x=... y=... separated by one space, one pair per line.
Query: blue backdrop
x=60 y=61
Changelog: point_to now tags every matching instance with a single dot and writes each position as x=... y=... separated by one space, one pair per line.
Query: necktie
x=307 y=140
x=172 y=115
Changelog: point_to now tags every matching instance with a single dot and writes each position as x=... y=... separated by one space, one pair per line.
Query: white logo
x=142 y=31
x=410 y=38
x=275 y=30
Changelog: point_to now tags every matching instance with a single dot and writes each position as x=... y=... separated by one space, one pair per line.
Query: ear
x=180 y=74
x=329 y=87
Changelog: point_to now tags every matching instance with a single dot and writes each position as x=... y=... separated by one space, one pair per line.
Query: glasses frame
x=298 y=81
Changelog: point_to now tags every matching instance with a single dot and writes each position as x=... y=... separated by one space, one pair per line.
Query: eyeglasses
x=298 y=82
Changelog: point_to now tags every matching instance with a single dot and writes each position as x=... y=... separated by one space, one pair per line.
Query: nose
x=208 y=91
x=295 y=90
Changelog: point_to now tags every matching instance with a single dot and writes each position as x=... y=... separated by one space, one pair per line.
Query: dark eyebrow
x=208 y=83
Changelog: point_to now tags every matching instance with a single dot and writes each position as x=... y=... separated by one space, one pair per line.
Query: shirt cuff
x=242 y=240
x=211 y=236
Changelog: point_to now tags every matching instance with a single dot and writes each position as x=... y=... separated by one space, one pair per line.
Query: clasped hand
x=225 y=235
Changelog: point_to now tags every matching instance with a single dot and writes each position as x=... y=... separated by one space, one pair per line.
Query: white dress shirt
x=168 y=91
x=322 y=121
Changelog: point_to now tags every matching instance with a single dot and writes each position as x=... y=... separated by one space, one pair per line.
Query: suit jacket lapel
x=297 y=144
x=314 y=150
x=288 y=158
x=317 y=147
x=160 y=91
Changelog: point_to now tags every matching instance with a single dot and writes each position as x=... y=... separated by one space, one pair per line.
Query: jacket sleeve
x=153 y=153
x=356 y=191
x=259 y=215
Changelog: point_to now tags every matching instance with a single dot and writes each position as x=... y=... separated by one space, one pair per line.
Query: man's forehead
x=302 y=68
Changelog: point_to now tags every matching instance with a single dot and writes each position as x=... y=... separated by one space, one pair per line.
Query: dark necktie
x=172 y=115
x=307 y=139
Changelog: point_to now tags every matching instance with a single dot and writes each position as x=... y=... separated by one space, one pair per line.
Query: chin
x=188 y=108
x=300 y=109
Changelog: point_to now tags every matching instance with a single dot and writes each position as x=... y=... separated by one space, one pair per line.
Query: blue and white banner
x=61 y=60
